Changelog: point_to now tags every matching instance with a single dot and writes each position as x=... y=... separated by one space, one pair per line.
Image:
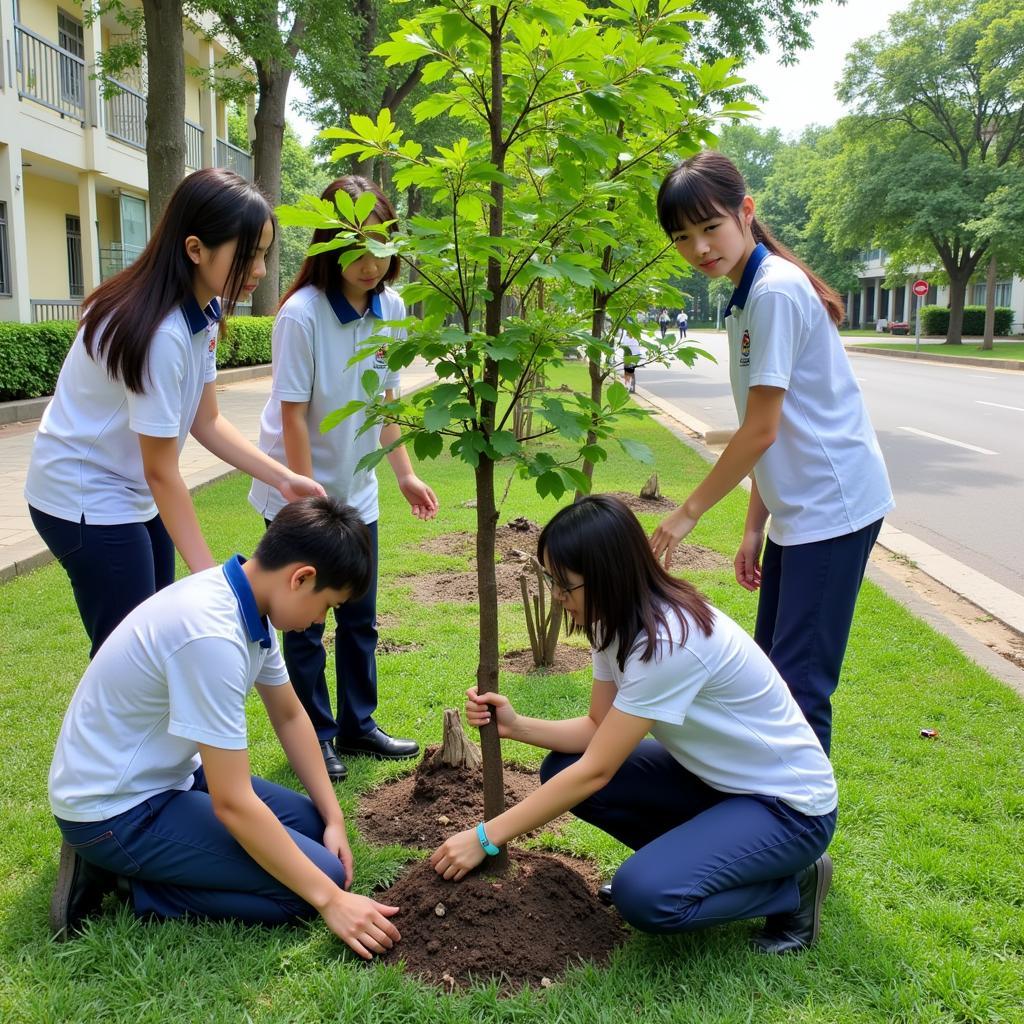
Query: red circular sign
x=920 y=287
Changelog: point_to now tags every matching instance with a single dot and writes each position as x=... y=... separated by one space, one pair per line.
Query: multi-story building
x=73 y=181
x=875 y=302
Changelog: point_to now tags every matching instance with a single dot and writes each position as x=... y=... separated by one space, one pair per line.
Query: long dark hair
x=216 y=206
x=709 y=185
x=323 y=270
x=627 y=593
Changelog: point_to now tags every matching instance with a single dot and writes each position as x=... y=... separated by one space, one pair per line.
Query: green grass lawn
x=925 y=922
x=969 y=347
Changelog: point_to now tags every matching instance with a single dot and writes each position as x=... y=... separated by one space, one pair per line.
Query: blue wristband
x=489 y=848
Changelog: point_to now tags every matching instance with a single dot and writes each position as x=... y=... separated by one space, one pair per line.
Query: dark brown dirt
x=638 y=504
x=567 y=659
x=518 y=535
x=409 y=810
x=525 y=928
x=460 y=587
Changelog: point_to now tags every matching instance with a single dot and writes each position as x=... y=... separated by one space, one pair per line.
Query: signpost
x=920 y=289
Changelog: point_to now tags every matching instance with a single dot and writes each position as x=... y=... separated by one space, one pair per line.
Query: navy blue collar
x=255 y=624
x=344 y=310
x=199 y=319
x=739 y=296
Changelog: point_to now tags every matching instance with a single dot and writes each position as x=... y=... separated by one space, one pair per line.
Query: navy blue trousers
x=180 y=859
x=703 y=857
x=355 y=666
x=112 y=569
x=804 y=613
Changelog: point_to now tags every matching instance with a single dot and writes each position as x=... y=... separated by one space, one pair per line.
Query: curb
x=708 y=435
x=936 y=357
x=27 y=410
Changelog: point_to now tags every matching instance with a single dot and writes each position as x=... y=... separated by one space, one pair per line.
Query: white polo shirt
x=824 y=476
x=315 y=335
x=723 y=712
x=175 y=673
x=86 y=459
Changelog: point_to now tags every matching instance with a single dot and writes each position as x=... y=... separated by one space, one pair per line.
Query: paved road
x=953 y=439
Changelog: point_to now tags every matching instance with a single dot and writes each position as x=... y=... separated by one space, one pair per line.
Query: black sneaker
x=77 y=894
x=795 y=932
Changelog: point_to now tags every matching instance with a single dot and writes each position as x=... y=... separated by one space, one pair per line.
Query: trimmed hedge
x=31 y=355
x=935 y=320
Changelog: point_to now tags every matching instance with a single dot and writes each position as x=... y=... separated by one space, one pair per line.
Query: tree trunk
x=596 y=371
x=486 y=510
x=414 y=203
x=457 y=750
x=266 y=148
x=988 y=342
x=165 y=102
x=957 y=293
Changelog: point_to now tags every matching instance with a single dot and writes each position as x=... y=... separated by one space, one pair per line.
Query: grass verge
x=971 y=347
x=924 y=923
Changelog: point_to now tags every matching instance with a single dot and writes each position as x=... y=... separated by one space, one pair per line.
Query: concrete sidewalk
x=241 y=397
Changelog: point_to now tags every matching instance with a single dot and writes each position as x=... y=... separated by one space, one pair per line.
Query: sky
x=796 y=96
x=804 y=93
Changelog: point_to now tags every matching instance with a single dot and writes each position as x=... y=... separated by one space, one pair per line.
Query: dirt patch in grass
x=524 y=928
x=639 y=505
x=520 y=534
x=460 y=587
x=423 y=809
x=462 y=545
x=567 y=659
x=385 y=645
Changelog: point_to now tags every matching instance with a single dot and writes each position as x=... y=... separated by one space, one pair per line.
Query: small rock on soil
x=408 y=811
x=522 y=928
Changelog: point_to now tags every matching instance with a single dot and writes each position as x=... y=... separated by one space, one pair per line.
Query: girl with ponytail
x=804 y=435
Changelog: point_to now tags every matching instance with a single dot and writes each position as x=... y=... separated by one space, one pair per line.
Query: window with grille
x=71 y=37
x=76 y=279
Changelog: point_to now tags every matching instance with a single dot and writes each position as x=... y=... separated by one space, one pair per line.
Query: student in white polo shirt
x=327 y=315
x=693 y=752
x=104 y=488
x=804 y=435
x=150 y=781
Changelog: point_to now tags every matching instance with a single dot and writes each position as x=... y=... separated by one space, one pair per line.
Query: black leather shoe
x=336 y=771
x=795 y=932
x=604 y=894
x=380 y=745
x=77 y=894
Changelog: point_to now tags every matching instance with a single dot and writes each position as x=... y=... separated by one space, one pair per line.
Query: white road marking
x=981 y=376
x=999 y=405
x=949 y=440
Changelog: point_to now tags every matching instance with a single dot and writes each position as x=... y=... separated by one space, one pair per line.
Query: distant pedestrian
x=631 y=353
x=804 y=434
x=663 y=322
x=681 y=321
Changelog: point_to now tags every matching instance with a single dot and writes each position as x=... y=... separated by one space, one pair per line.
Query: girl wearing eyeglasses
x=693 y=752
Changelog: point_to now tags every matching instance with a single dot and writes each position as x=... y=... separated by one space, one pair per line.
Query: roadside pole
x=920 y=290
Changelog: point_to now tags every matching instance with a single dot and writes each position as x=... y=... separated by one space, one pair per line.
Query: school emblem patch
x=213 y=342
x=745 y=349
x=380 y=358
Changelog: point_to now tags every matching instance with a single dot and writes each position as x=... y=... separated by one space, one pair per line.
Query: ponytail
x=709 y=185
x=829 y=296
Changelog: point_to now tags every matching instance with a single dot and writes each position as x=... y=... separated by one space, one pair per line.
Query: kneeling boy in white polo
x=150 y=781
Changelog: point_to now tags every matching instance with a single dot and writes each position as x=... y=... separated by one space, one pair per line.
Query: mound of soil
x=460 y=587
x=524 y=928
x=638 y=504
x=567 y=659
x=519 y=534
x=425 y=808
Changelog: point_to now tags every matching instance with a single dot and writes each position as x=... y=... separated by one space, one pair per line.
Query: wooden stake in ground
x=457 y=750
x=650 y=490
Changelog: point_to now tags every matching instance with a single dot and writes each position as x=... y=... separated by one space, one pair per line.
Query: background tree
x=937 y=121
x=518 y=77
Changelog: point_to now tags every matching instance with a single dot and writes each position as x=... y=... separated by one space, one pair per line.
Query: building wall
x=46 y=204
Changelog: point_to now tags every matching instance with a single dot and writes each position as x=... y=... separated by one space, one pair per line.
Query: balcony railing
x=54 y=309
x=49 y=74
x=234 y=159
x=193 y=146
x=126 y=115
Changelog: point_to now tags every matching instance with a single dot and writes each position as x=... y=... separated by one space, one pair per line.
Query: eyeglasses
x=555 y=587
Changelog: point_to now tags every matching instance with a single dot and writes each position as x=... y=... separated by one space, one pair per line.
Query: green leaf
x=346 y=208
x=332 y=419
x=370 y=382
x=550 y=483
x=504 y=442
x=617 y=395
x=637 y=450
x=576 y=479
x=593 y=453
x=436 y=417
x=427 y=446
x=364 y=206
x=370 y=459
x=604 y=103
